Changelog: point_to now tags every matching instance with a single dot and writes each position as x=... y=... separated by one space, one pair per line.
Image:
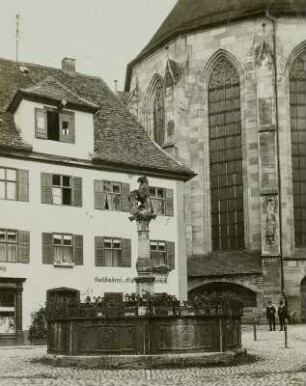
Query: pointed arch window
x=159 y=113
x=298 y=146
x=225 y=157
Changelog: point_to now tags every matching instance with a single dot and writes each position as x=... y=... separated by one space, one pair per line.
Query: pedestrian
x=270 y=312
x=282 y=315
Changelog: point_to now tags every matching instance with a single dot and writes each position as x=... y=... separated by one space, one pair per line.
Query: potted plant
x=38 y=329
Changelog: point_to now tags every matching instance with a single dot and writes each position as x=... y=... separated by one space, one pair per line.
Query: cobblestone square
x=274 y=365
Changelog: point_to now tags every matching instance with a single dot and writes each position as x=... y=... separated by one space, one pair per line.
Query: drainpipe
x=274 y=21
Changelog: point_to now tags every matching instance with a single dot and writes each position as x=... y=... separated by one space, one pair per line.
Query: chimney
x=68 y=65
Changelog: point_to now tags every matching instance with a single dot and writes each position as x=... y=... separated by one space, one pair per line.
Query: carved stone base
x=144 y=283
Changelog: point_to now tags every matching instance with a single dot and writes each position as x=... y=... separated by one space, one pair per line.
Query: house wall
x=35 y=217
x=84 y=133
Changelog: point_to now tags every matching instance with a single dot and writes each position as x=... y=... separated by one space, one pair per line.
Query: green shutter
x=169 y=202
x=126 y=252
x=77 y=191
x=99 y=252
x=46 y=188
x=125 y=204
x=99 y=195
x=23 y=247
x=170 y=254
x=47 y=248
x=23 y=185
x=78 y=249
x=41 y=130
x=67 y=116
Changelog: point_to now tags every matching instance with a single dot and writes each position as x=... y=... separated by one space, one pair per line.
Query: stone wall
x=265 y=112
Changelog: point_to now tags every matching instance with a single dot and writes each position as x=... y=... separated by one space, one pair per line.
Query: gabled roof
x=119 y=139
x=192 y=15
x=49 y=90
x=224 y=263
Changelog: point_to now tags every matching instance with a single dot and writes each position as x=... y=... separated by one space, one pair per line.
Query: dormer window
x=55 y=125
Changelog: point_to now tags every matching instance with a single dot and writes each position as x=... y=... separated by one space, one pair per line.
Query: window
x=62 y=249
x=162 y=201
x=59 y=189
x=14 y=184
x=14 y=246
x=298 y=146
x=159 y=113
x=8 y=246
x=7 y=312
x=55 y=125
x=8 y=184
x=162 y=253
x=225 y=158
x=111 y=195
x=112 y=252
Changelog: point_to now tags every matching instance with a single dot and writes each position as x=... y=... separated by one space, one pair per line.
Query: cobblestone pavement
x=276 y=365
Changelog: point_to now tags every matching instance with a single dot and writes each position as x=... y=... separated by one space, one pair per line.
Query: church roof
x=191 y=15
x=120 y=141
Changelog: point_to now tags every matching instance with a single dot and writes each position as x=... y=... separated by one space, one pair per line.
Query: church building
x=221 y=87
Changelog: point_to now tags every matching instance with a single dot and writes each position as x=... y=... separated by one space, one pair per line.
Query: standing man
x=270 y=312
x=282 y=315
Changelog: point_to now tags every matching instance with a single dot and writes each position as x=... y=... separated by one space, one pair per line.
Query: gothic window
x=159 y=113
x=298 y=145
x=225 y=158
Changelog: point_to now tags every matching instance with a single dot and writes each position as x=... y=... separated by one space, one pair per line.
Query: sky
x=102 y=35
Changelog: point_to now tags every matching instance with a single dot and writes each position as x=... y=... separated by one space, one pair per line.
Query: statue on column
x=141 y=206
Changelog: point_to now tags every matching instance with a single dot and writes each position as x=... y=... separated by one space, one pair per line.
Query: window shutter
x=99 y=195
x=23 y=185
x=41 y=123
x=126 y=252
x=23 y=247
x=46 y=188
x=169 y=202
x=68 y=117
x=170 y=254
x=78 y=249
x=77 y=191
x=99 y=251
x=47 y=248
x=125 y=204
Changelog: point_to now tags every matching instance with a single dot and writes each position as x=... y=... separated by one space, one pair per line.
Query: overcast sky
x=102 y=35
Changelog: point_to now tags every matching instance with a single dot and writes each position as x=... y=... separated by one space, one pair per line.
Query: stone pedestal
x=145 y=279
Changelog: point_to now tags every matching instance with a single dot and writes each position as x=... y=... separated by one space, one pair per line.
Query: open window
x=55 y=125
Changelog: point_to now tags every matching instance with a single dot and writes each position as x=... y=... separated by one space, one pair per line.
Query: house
x=70 y=153
x=221 y=87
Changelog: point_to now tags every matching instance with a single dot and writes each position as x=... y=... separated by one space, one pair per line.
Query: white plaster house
x=70 y=153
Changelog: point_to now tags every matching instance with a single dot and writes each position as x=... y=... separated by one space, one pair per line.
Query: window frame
x=162 y=200
x=112 y=252
x=6 y=181
x=6 y=243
x=62 y=187
x=164 y=252
x=62 y=246
x=112 y=194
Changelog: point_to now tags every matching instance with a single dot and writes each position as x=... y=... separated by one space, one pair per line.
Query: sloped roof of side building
x=193 y=15
x=120 y=141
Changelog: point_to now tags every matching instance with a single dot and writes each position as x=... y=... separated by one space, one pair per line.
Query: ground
x=275 y=365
